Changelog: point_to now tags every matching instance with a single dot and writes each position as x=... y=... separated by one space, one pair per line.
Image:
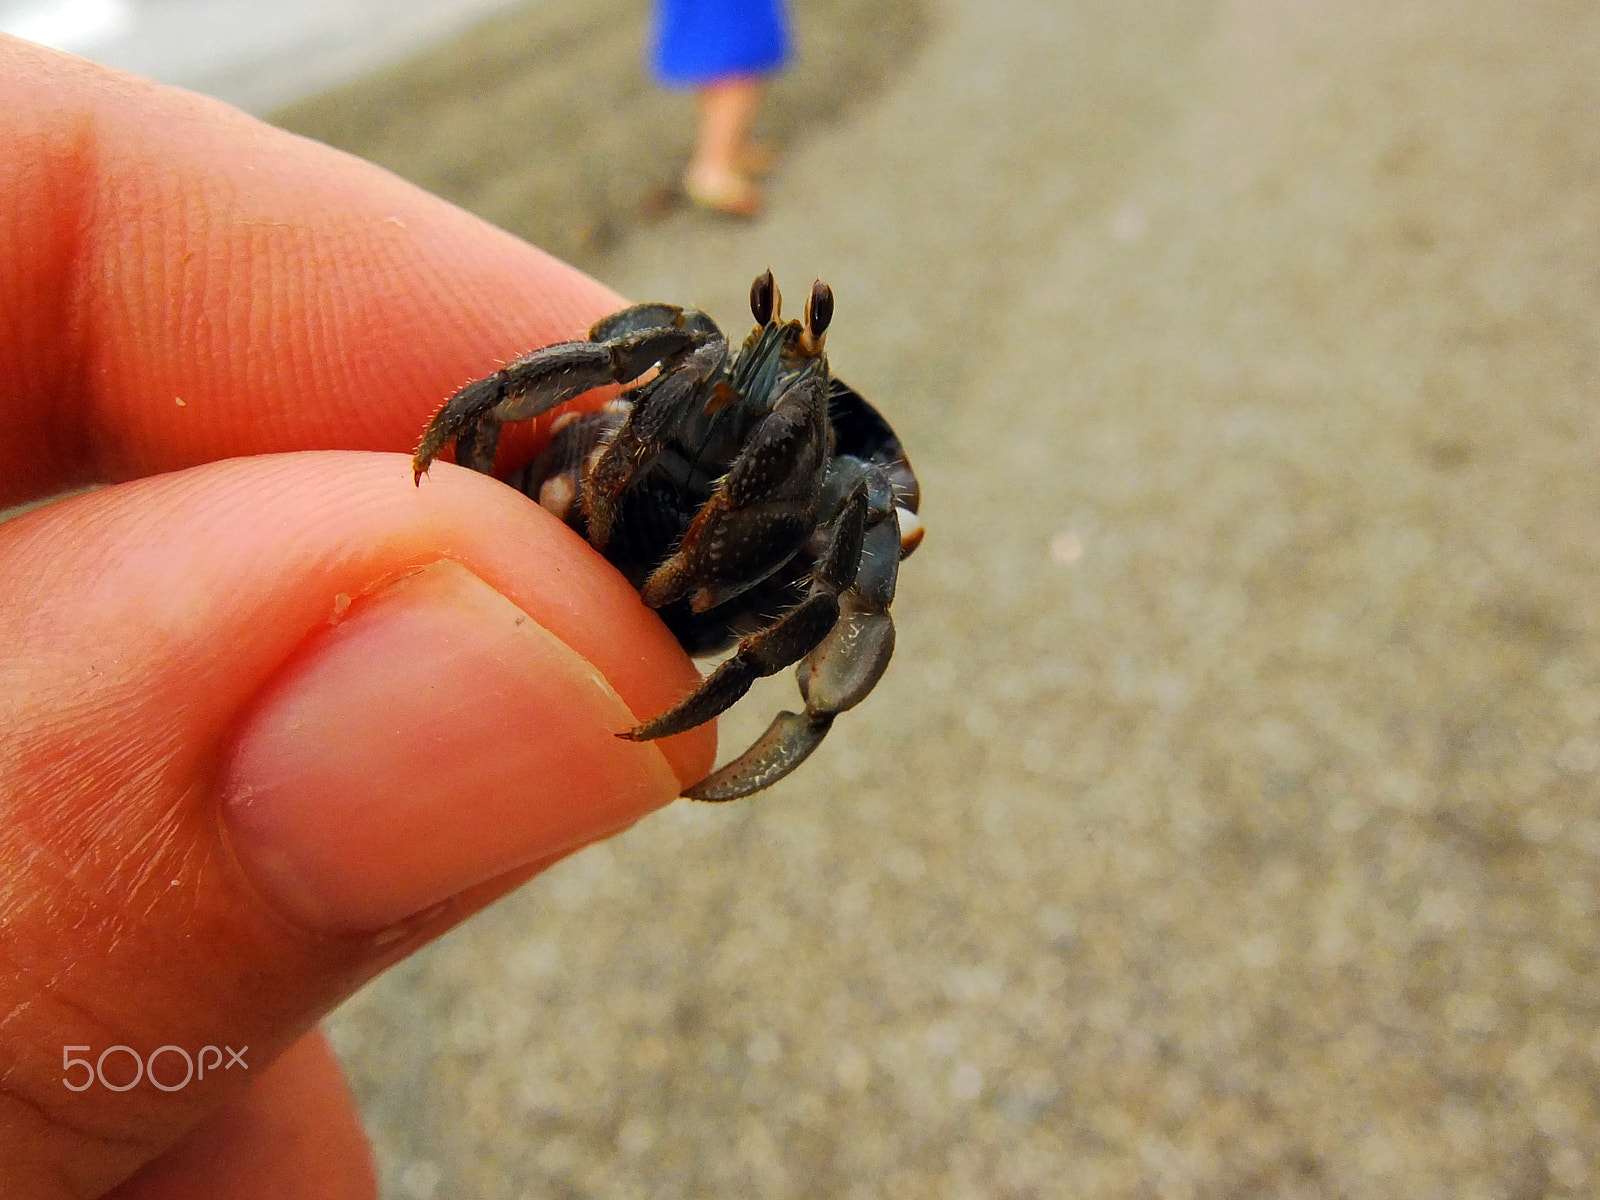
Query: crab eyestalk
x=764 y=297
x=819 y=312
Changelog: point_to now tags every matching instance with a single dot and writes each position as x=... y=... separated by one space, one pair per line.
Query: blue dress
x=701 y=41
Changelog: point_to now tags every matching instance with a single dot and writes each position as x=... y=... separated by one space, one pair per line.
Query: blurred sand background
x=1229 y=822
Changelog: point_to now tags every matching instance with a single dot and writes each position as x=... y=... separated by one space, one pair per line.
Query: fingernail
x=436 y=738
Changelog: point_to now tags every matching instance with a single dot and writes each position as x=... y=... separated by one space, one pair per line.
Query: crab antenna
x=763 y=297
x=819 y=309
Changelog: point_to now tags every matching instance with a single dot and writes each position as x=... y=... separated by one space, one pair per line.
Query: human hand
x=268 y=723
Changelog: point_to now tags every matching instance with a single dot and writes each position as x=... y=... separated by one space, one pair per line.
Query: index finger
x=181 y=283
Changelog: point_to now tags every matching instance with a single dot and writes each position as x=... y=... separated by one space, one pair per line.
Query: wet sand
x=1229 y=822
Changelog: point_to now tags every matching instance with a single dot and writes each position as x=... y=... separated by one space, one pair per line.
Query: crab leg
x=787 y=743
x=658 y=408
x=839 y=671
x=799 y=631
x=761 y=512
x=848 y=663
x=620 y=348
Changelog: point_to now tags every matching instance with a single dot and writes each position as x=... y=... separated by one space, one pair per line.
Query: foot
x=727 y=192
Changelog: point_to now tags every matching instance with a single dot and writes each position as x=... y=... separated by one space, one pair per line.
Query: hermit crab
x=754 y=501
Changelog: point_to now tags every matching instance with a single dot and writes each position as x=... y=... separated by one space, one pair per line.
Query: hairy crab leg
x=838 y=673
x=761 y=512
x=658 y=408
x=792 y=637
x=620 y=349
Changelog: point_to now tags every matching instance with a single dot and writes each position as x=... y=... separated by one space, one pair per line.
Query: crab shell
x=752 y=499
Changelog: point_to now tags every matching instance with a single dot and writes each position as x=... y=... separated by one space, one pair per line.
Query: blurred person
x=725 y=50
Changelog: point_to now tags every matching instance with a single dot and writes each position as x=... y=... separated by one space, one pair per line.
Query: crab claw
x=787 y=743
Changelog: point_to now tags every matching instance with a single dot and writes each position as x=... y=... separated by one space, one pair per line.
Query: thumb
x=268 y=725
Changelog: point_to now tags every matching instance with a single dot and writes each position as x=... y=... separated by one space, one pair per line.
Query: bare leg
x=716 y=177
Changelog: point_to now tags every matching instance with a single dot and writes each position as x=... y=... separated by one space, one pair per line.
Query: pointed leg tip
x=787 y=743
